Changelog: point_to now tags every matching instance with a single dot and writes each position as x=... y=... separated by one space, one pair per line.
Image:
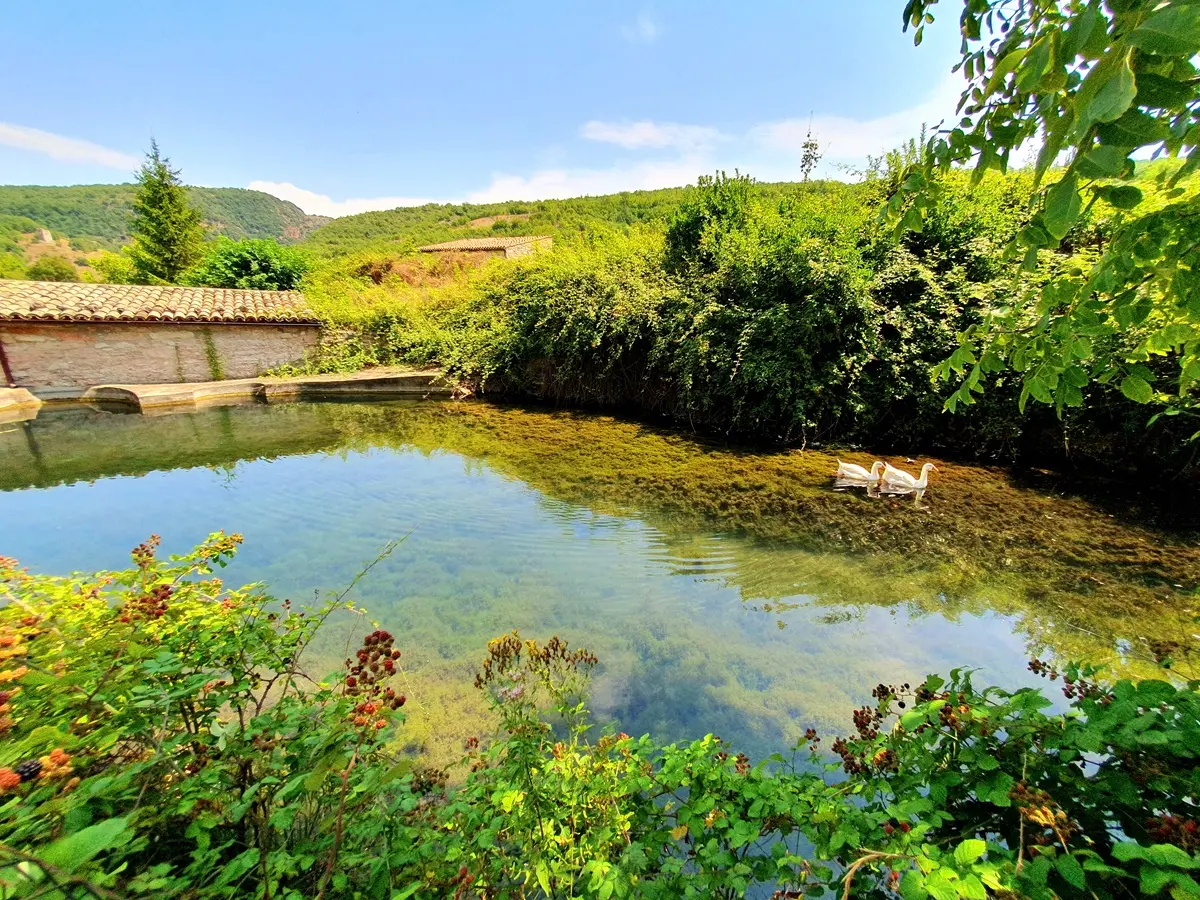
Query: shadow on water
x=725 y=590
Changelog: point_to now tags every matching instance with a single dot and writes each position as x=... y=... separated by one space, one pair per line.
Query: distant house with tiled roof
x=508 y=247
x=58 y=338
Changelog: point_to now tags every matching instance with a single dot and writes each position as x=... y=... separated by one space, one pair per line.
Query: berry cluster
x=887 y=692
x=13 y=648
x=6 y=719
x=367 y=675
x=1039 y=809
x=146 y=607
x=1073 y=688
x=143 y=554
x=462 y=883
x=509 y=653
x=891 y=826
x=1169 y=829
x=55 y=764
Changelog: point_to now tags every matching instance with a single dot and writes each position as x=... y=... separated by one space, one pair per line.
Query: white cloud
x=550 y=184
x=56 y=146
x=770 y=151
x=323 y=205
x=646 y=134
x=644 y=30
x=852 y=140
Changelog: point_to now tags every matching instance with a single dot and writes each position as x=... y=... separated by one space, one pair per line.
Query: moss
x=216 y=368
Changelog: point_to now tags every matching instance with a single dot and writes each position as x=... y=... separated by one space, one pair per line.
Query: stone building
x=508 y=247
x=59 y=338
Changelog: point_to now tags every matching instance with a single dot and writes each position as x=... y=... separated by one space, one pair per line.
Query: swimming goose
x=900 y=478
x=858 y=473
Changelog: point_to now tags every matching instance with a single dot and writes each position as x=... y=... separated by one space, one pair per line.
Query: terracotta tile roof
x=77 y=302
x=489 y=243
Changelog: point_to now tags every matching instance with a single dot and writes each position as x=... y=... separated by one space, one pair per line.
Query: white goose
x=852 y=472
x=900 y=478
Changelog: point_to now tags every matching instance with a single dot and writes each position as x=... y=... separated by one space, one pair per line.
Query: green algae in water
x=724 y=590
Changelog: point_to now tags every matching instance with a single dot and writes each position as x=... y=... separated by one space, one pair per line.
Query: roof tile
x=79 y=302
x=488 y=243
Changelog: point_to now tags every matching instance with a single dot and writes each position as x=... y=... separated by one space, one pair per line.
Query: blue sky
x=366 y=104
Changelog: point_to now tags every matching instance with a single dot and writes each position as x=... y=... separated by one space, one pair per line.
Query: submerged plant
x=160 y=738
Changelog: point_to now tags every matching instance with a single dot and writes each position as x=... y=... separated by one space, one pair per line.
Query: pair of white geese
x=886 y=475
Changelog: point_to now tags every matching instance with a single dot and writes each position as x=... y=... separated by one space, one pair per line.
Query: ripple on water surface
x=723 y=590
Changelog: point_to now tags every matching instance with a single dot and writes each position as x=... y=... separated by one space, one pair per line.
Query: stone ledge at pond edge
x=17 y=404
x=381 y=383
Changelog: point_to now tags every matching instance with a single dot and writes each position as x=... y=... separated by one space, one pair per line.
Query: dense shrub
x=162 y=737
x=262 y=265
x=12 y=265
x=52 y=268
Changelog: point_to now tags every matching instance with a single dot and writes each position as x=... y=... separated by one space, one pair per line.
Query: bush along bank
x=162 y=738
x=780 y=318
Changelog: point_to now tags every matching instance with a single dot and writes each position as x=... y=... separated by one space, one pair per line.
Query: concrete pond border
x=18 y=404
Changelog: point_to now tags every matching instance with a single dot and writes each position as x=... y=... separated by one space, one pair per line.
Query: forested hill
x=103 y=211
x=449 y=221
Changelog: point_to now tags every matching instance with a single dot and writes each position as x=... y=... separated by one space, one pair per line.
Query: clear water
x=724 y=591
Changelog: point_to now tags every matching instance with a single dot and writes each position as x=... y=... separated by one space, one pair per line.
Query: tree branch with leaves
x=1095 y=86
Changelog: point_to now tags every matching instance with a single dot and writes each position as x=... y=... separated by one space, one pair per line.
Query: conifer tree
x=167 y=230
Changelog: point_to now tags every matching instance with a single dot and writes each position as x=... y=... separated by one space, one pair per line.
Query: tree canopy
x=1093 y=87
x=167 y=230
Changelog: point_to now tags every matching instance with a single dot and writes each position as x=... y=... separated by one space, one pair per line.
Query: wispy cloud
x=770 y=151
x=643 y=30
x=323 y=205
x=646 y=134
x=67 y=149
x=549 y=184
x=849 y=140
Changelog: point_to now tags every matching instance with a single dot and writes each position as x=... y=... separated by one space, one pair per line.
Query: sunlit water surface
x=709 y=614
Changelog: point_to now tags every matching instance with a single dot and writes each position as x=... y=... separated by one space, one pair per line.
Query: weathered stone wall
x=45 y=356
x=526 y=249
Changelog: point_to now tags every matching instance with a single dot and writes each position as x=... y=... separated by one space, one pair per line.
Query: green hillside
x=441 y=222
x=103 y=211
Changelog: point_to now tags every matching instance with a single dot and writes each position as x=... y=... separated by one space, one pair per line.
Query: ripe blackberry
x=28 y=770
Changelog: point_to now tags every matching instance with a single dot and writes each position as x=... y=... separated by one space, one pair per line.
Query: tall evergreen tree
x=167 y=231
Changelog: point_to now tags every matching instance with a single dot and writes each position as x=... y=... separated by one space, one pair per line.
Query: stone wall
x=525 y=249
x=52 y=357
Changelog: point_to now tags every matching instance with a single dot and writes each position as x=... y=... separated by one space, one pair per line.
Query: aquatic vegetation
x=676 y=559
x=164 y=735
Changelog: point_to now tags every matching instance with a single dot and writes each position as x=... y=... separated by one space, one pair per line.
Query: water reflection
x=724 y=590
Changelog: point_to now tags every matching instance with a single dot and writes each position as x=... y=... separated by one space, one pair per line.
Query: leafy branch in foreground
x=161 y=739
x=1100 y=84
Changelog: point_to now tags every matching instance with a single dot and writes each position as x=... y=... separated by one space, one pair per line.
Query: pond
x=725 y=590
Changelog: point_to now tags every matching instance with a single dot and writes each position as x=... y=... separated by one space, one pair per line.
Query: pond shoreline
x=386 y=382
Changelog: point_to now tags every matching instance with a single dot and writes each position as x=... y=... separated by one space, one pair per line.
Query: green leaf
x=1003 y=69
x=1103 y=162
x=969 y=851
x=74 y=850
x=912 y=885
x=1174 y=31
x=939 y=888
x=1155 y=879
x=1124 y=196
x=1134 y=129
x=1170 y=855
x=1063 y=205
x=1039 y=390
x=1159 y=92
x=1068 y=867
x=1137 y=389
x=971 y=888
x=1114 y=92
x=543 y=876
